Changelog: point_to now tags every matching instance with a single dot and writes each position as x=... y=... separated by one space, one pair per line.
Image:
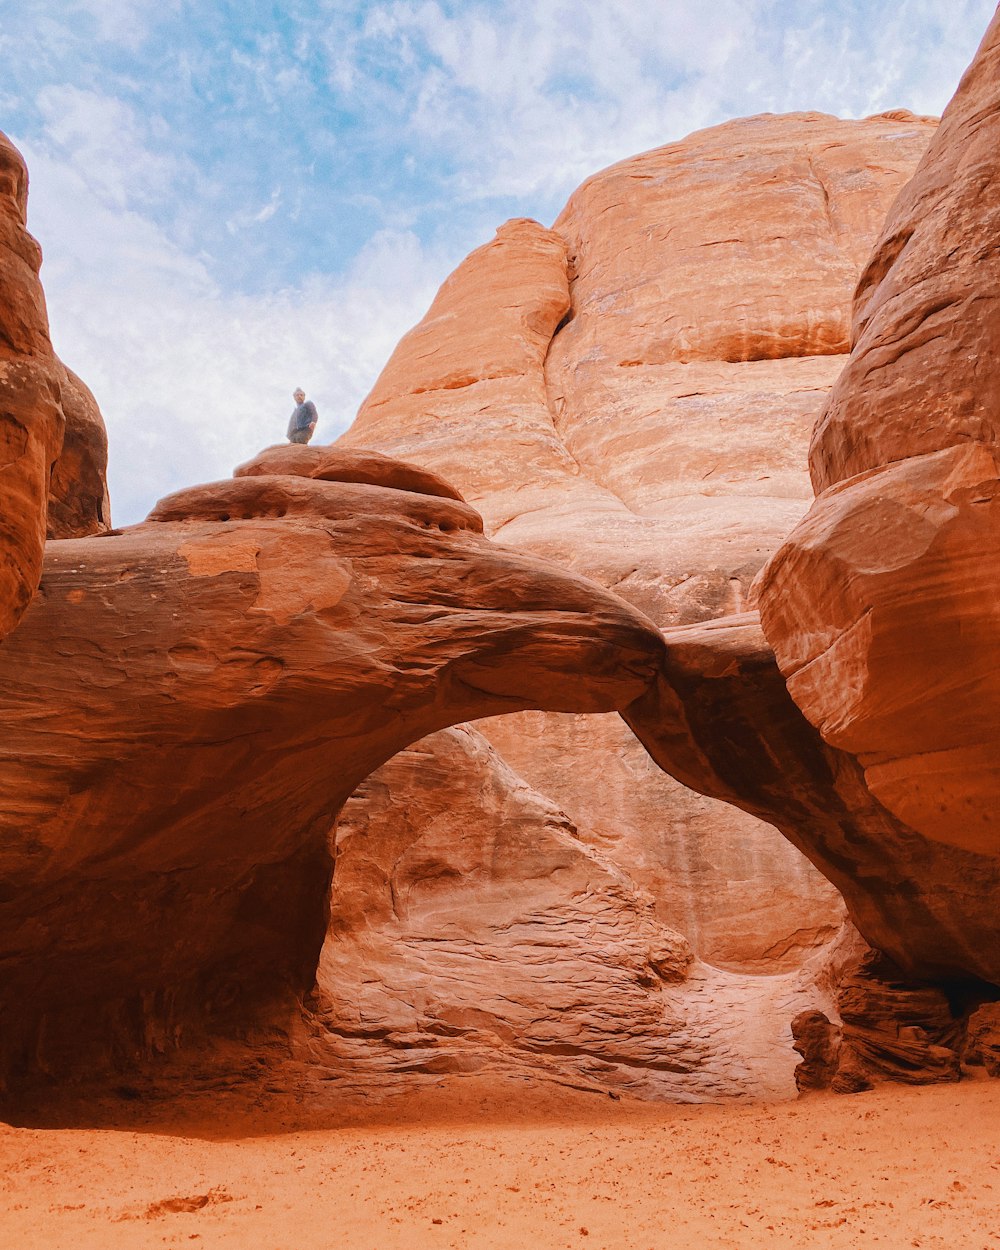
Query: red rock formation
x=882 y=606
x=982 y=1046
x=720 y=720
x=631 y=394
x=541 y=381
x=473 y=931
x=785 y=207
x=31 y=419
x=78 y=491
x=817 y=1040
x=334 y=464
x=191 y=700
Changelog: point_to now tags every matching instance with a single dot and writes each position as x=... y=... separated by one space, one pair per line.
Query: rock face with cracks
x=720 y=719
x=53 y=445
x=631 y=394
x=189 y=703
x=78 y=503
x=31 y=417
x=882 y=607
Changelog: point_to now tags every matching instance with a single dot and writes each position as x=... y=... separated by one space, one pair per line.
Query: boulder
x=982 y=1039
x=78 y=503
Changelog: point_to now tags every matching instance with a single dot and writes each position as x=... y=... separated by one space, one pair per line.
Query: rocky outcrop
x=472 y=930
x=31 y=418
x=785 y=207
x=53 y=444
x=817 y=1040
x=720 y=719
x=882 y=606
x=631 y=395
x=189 y=703
x=893 y=1030
x=328 y=464
x=78 y=503
x=982 y=1041
x=551 y=383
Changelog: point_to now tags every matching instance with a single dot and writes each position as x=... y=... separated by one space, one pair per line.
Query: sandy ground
x=471 y=1164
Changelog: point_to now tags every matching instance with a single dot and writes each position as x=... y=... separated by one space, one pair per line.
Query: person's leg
x=300 y=436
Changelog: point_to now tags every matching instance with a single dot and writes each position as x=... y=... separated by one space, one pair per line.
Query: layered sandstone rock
x=473 y=931
x=893 y=1031
x=189 y=703
x=982 y=1047
x=53 y=445
x=882 y=606
x=326 y=464
x=78 y=503
x=720 y=719
x=817 y=1040
x=31 y=418
x=630 y=394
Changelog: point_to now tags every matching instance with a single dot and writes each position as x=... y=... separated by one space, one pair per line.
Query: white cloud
x=255 y=217
x=526 y=100
x=192 y=380
x=122 y=21
x=121 y=158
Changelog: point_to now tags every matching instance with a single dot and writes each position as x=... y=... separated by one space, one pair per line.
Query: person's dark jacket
x=303 y=417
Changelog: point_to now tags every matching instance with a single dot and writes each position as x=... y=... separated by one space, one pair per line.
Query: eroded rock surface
x=190 y=702
x=78 y=503
x=982 y=1046
x=882 y=606
x=817 y=1040
x=893 y=1030
x=720 y=719
x=473 y=931
x=631 y=395
x=335 y=464
x=31 y=418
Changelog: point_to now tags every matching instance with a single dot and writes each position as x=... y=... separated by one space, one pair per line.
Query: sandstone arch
x=189 y=702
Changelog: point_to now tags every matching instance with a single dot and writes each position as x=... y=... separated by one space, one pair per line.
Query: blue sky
x=234 y=198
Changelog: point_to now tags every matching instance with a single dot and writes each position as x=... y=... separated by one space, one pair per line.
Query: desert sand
x=474 y=1166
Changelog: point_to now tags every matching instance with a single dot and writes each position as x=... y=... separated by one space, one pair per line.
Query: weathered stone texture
x=882 y=605
x=631 y=394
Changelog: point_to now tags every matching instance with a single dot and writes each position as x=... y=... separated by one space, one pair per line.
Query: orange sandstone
x=882 y=606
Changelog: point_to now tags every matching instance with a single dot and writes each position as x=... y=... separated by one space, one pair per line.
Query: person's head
x=298 y=394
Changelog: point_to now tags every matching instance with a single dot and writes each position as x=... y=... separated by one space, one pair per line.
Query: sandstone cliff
x=31 y=423
x=41 y=402
x=192 y=700
x=882 y=607
x=631 y=394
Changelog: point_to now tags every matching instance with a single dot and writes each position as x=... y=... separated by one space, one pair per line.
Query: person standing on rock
x=303 y=420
